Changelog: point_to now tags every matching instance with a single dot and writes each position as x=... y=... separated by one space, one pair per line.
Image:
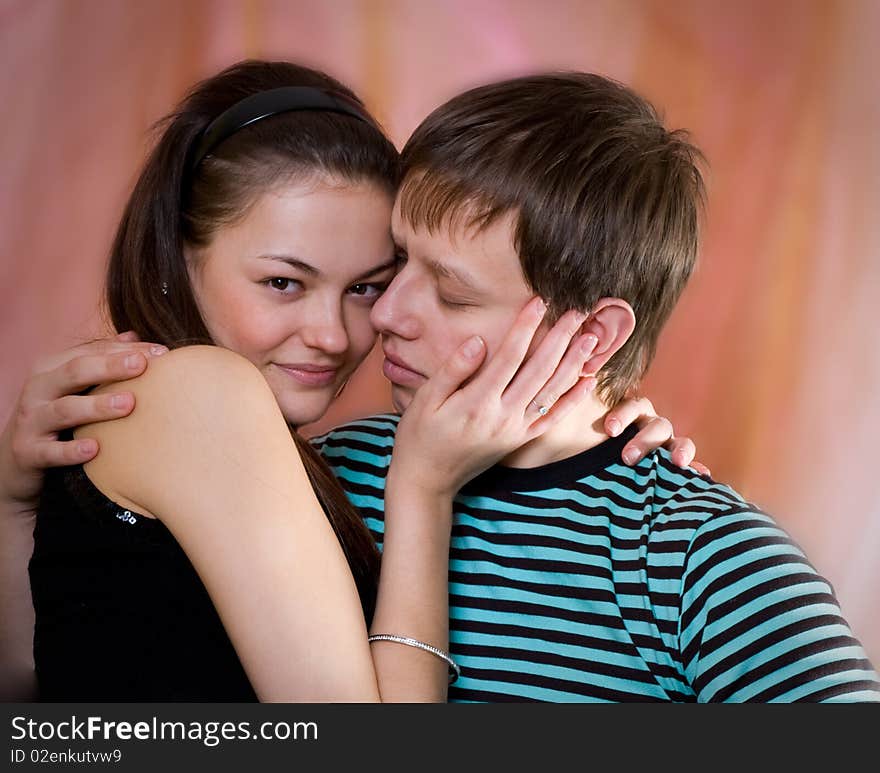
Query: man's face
x=452 y=285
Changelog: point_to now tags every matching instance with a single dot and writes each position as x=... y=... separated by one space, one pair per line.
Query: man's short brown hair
x=606 y=200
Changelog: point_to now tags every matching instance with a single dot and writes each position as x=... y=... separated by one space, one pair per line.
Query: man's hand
x=49 y=403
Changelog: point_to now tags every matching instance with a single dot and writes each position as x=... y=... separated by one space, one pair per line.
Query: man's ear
x=612 y=321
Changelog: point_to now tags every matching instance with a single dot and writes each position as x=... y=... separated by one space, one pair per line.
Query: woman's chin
x=305 y=407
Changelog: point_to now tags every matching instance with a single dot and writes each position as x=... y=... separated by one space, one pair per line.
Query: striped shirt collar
x=563 y=472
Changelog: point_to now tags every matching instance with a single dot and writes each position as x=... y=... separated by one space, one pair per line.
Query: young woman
x=207 y=553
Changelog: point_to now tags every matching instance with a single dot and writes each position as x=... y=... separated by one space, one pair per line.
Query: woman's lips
x=310 y=375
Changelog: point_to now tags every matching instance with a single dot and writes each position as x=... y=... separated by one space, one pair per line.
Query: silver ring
x=543 y=410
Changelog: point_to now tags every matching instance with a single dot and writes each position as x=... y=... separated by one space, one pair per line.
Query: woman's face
x=291 y=285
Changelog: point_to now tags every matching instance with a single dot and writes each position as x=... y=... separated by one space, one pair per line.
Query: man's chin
x=401 y=397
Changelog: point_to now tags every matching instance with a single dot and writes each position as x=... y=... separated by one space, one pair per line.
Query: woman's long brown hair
x=171 y=207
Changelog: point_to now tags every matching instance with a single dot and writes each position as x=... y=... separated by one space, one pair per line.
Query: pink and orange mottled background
x=771 y=360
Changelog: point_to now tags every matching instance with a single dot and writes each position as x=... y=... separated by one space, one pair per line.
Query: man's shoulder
x=709 y=521
x=372 y=434
x=359 y=454
x=679 y=503
x=678 y=492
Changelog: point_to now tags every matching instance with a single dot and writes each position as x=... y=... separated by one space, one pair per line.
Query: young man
x=572 y=576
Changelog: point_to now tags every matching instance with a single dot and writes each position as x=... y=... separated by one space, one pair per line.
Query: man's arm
x=17 y=681
x=759 y=624
x=48 y=403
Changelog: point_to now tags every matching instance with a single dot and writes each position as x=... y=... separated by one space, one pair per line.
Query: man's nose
x=394 y=313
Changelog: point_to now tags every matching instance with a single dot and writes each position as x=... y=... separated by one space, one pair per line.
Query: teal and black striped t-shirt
x=587 y=580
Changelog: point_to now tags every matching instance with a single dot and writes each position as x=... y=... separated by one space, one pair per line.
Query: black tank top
x=121 y=614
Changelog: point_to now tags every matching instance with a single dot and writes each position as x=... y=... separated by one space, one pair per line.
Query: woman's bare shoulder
x=185 y=383
x=196 y=408
x=190 y=367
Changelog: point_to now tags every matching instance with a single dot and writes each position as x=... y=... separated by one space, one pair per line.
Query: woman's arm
x=208 y=452
x=413 y=598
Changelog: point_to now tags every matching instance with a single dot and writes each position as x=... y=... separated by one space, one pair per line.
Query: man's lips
x=309 y=374
x=399 y=372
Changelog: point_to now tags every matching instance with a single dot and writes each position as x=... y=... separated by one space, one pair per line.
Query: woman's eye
x=283 y=284
x=368 y=289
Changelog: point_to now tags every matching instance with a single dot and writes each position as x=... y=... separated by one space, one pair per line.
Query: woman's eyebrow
x=382 y=267
x=290 y=260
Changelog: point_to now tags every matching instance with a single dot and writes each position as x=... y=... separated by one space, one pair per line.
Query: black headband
x=267 y=103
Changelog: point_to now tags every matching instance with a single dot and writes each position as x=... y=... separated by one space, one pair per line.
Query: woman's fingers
x=454 y=372
x=571 y=399
x=682 y=450
x=654 y=434
x=555 y=359
x=505 y=362
x=566 y=376
x=639 y=409
x=701 y=468
x=655 y=431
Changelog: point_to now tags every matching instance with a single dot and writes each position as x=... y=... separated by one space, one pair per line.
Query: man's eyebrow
x=457 y=275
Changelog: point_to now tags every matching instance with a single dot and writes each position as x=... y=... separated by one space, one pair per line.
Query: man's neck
x=580 y=430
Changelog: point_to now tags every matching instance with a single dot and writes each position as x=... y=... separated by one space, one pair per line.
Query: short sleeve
x=758 y=623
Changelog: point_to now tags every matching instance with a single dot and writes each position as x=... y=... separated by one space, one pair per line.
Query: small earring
x=164 y=288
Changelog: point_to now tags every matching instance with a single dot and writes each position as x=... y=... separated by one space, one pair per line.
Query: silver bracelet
x=454 y=670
